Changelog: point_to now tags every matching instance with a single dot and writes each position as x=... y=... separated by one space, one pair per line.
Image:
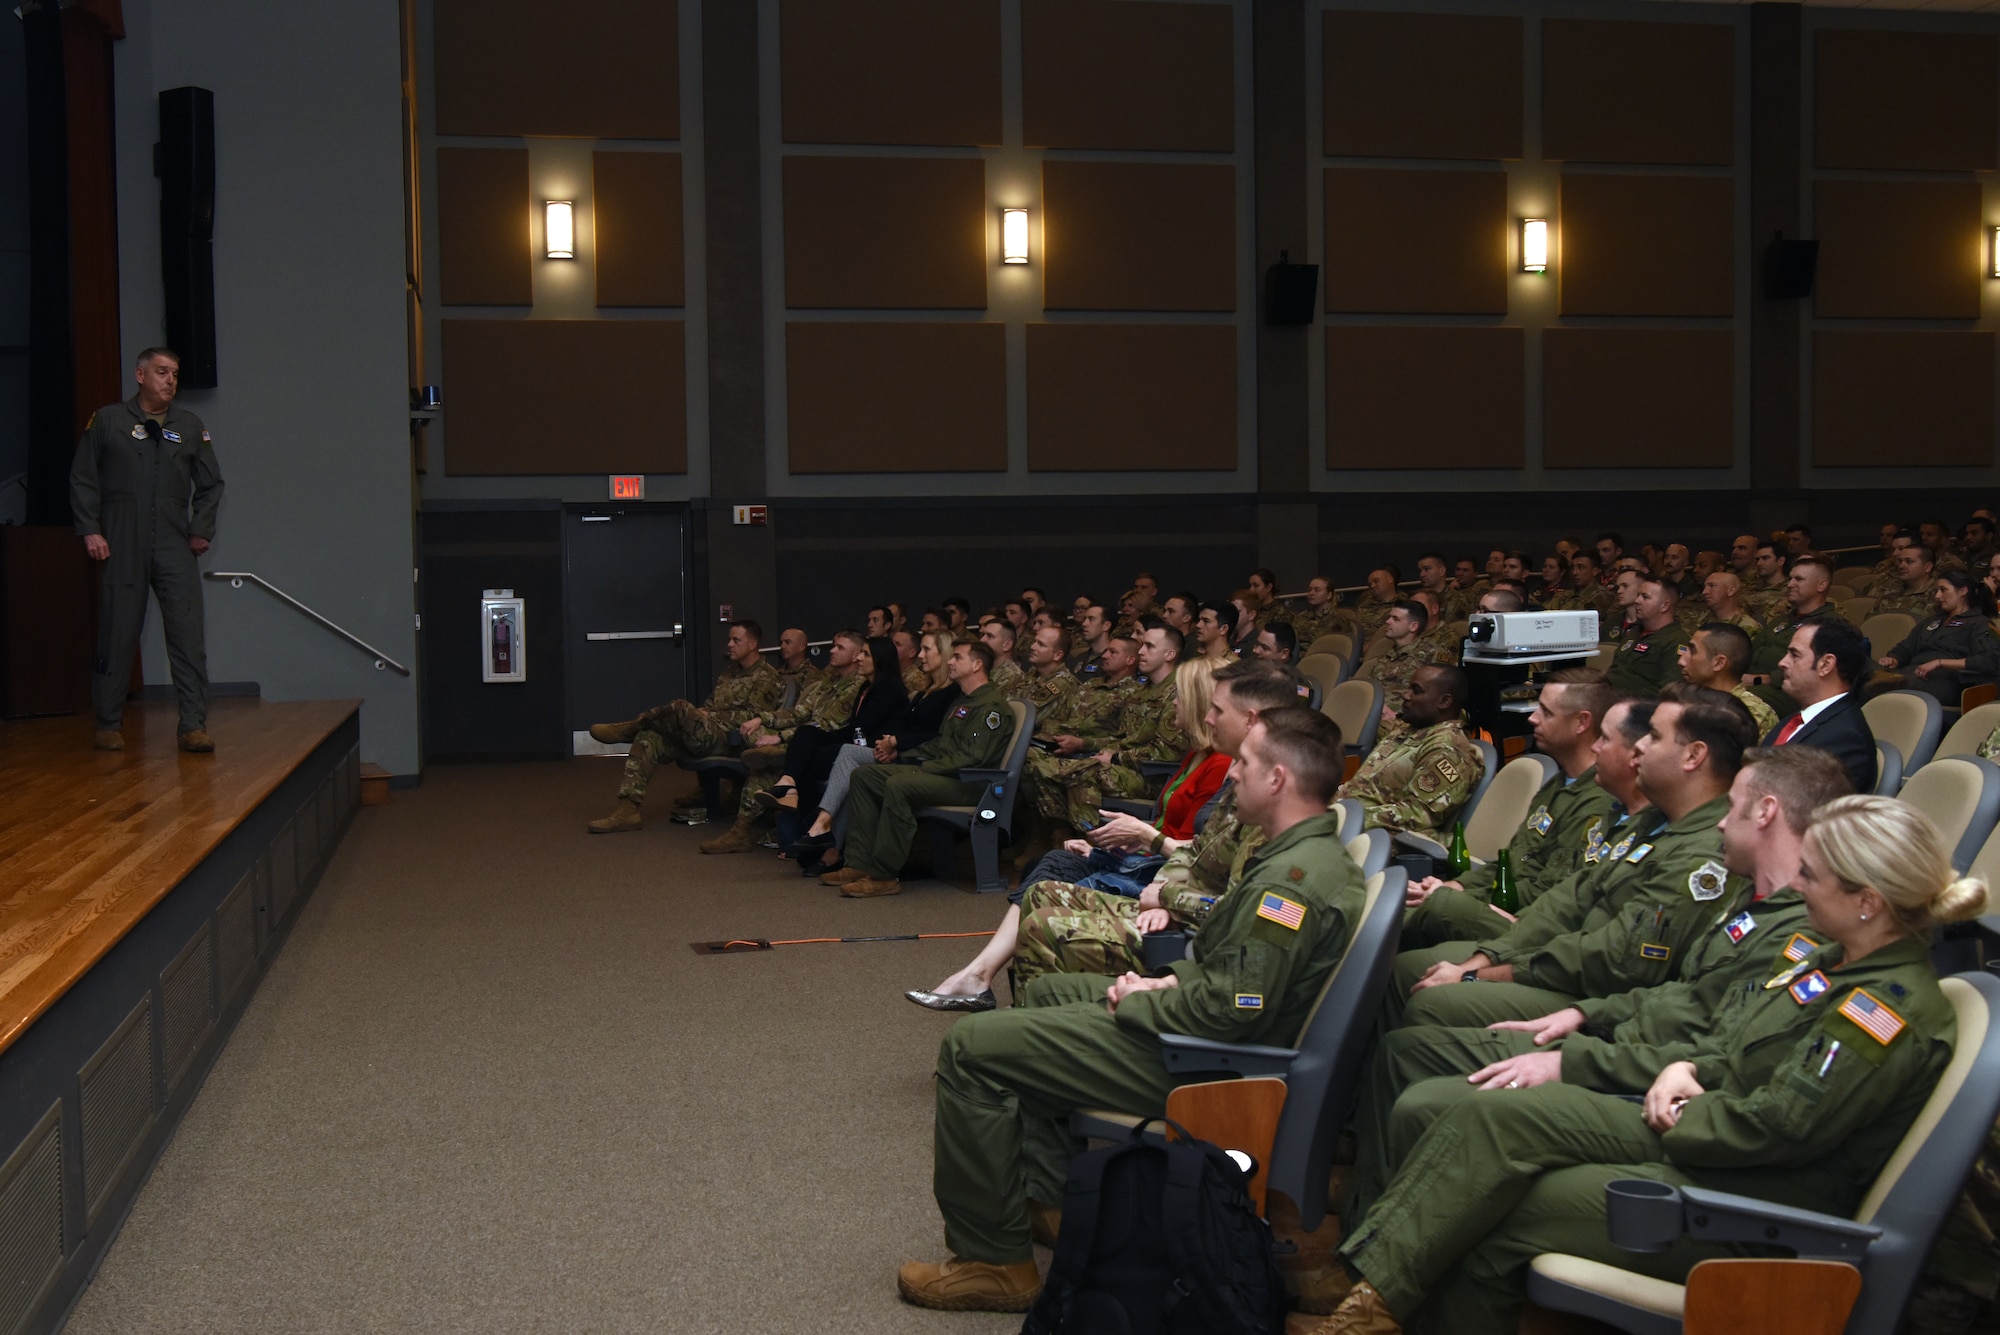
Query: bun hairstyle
x=1894 y=849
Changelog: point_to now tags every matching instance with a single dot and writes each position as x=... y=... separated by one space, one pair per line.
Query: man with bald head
x=795 y=663
x=1722 y=591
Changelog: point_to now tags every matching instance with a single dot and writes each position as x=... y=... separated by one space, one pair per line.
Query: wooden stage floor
x=91 y=840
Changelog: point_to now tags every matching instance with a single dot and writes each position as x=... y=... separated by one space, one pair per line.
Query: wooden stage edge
x=143 y=894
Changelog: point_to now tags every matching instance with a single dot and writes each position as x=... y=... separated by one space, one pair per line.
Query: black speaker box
x=184 y=160
x=1789 y=268
x=1290 y=293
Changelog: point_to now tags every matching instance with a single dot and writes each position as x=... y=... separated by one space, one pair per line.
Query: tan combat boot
x=870 y=888
x=613 y=733
x=843 y=876
x=1362 y=1313
x=624 y=816
x=196 y=742
x=970 y=1286
x=738 y=838
x=110 y=739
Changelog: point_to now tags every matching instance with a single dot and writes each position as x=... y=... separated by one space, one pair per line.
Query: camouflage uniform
x=1009 y=677
x=1074 y=788
x=1602 y=601
x=1918 y=603
x=1394 y=667
x=1309 y=623
x=1050 y=694
x=1886 y=579
x=1765 y=604
x=800 y=677
x=826 y=704
x=1990 y=748
x=1961 y=1278
x=1456 y=604
x=1743 y=621
x=680 y=729
x=1417 y=782
x=1369 y=613
x=1443 y=639
x=915 y=681
x=1761 y=713
x=1090 y=712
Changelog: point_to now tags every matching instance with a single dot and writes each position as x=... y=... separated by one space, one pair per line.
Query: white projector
x=1519 y=634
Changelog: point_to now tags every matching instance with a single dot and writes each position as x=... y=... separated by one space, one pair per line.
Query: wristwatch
x=1469 y=976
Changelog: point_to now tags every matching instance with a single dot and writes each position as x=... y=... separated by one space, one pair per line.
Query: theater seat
x=1961 y=795
x=1886 y=1240
x=1325 y=671
x=1338 y=643
x=1357 y=707
x=1885 y=630
x=1856 y=608
x=1531 y=773
x=1912 y=720
x=1888 y=769
x=984 y=819
x=1974 y=726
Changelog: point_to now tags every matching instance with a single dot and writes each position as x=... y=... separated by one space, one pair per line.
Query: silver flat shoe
x=949 y=1001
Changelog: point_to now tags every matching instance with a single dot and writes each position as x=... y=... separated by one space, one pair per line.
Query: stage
x=142 y=892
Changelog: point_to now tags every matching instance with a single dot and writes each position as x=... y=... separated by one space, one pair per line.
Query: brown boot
x=110 y=739
x=1362 y=1313
x=970 y=1286
x=196 y=742
x=1044 y=1223
x=870 y=888
x=843 y=876
x=613 y=733
x=624 y=816
x=738 y=838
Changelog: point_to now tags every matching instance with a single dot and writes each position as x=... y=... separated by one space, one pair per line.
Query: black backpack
x=1160 y=1240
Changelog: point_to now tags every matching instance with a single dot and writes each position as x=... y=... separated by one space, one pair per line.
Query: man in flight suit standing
x=145 y=489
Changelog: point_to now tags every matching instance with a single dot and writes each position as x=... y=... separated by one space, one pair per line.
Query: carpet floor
x=487 y=1086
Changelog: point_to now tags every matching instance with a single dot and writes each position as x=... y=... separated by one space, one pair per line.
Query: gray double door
x=625 y=596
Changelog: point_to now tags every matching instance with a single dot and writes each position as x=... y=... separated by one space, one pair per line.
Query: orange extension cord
x=843 y=940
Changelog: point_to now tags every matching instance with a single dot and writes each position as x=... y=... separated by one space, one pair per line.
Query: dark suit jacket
x=1842 y=729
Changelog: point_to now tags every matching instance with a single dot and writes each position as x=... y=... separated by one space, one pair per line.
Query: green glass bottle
x=1458 y=859
x=1505 y=897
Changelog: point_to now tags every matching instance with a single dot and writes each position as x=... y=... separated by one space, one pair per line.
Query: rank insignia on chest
x=139 y=431
x=1639 y=854
x=963 y=711
x=1649 y=951
x=1541 y=821
x=1249 y=1001
x=1284 y=912
x=1800 y=946
x=1878 y=1021
x=1706 y=882
x=1740 y=926
x=993 y=719
x=1296 y=874
x=1809 y=988
x=171 y=437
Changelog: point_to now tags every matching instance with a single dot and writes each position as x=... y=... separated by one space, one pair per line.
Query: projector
x=1519 y=634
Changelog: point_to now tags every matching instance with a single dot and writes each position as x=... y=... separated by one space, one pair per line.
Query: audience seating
x=1855 y=577
x=1325 y=671
x=1350 y=813
x=1370 y=850
x=986 y=818
x=1961 y=795
x=1341 y=645
x=1357 y=707
x=710 y=771
x=1885 y=630
x=1912 y=720
x=1888 y=769
x=1886 y=1240
x=1600 y=657
x=1857 y=608
x=1322 y=1073
x=1974 y=726
x=1500 y=826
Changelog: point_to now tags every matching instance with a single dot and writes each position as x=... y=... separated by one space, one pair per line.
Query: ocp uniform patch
x=1249 y=1001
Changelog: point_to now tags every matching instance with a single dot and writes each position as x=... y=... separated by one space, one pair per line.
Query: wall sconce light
x=560 y=234
x=1534 y=245
x=1013 y=236
x=1993 y=252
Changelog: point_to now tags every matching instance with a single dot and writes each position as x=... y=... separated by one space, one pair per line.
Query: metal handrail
x=236 y=578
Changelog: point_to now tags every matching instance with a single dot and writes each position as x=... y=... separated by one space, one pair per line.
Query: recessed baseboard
x=165 y=690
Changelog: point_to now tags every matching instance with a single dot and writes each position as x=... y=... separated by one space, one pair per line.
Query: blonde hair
x=941 y=640
x=1194 y=689
x=1880 y=844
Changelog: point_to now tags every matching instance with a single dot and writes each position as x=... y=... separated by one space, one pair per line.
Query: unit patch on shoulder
x=1876 y=1020
x=1740 y=926
x=1249 y=1001
x=1707 y=881
x=1800 y=946
x=1285 y=912
x=993 y=718
x=1427 y=782
x=1808 y=989
x=963 y=711
x=205 y=436
x=1446 y=768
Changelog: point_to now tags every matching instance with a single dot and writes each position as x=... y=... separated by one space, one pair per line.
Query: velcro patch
x=1650 y=951
x=1800 y=946
x=1249 y=1001
x=1874 y=1019
x=1446 y=768
x=1639 y=854
x=1740 y=926
x=1809 y=988
x=1285 y=912
x=963 y=711
x=993 y=719
x=1541 y=821
x=1296 y=874
x=1707 y=881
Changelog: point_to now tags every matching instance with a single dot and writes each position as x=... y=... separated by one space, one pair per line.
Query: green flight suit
x=681 y=730
x=1549 y=847
x=1647 y=661
x=883 y=800
x=1008 y=1080
x=1417 y=780
x=1767 y=648
x=147 y=487
x=1810 y=1081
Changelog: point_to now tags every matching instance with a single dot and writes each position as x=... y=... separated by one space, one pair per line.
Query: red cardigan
x=1196 y=787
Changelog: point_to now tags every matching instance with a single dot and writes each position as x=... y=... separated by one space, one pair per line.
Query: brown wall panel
x=1421 y=85
x=1128 y=74
x=1638 y=398
x=1921 y=101
x=891 y=71
x=1902 y=399
x=1898 y=248
x=1417 y=241
x=1647 y=245
x=1138 y=236
x=636 y=204
x=535 y=396
x=1638 y=92
x=873 y=233
x=897 y=398
x=1424 y=398
x=1131 y=397
x=610 y=70
x=483 y=216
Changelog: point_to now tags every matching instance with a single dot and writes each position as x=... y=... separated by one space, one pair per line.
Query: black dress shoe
x=944 y=1001
x=809 y=843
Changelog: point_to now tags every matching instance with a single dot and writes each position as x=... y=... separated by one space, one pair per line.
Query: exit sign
x=629 y=488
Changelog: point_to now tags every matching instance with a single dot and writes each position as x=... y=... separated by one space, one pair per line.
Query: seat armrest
x=1157 y=769
x=1187 y=1055
x=1159 y=949
x=982 y=776
x=1418 y=843
x=1725 y=1217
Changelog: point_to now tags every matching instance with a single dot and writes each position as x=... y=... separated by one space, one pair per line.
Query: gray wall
x=311 y=417
x=13 y=271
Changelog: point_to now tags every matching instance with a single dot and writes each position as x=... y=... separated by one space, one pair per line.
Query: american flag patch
x=1284 y=912
x=1881 y=1023
x=1798 y=947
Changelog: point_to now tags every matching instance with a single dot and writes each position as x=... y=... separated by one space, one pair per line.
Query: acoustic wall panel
x=1128 y=74
x=1638 y=398
x=537 y=397
x=896 y=398
x=1433 y=242
x=1421 y=85
x=1915 y=101
x=1898 y=248
x=1903 y=399
x=1647 y=245
x=875 y=233
x=483 y=227
x=890 y=71
x=1138 y=236
x=636 y=203
x=1139 y=398
x=31 y=1220
x=518 y=67
x=1431 y=397
x=1638 y=92
x=115 y=1106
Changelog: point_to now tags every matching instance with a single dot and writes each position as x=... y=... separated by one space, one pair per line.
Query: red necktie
x=1792 y=725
